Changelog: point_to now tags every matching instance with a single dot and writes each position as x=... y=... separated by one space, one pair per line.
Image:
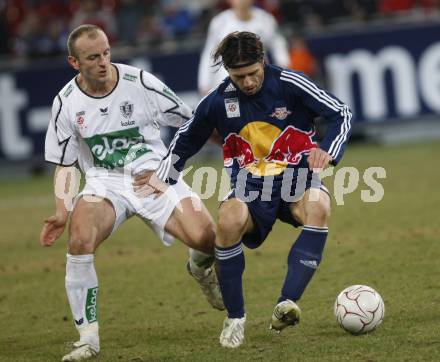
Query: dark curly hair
x=239 y=47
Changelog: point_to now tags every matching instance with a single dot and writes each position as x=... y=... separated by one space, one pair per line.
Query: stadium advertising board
x=384 y=74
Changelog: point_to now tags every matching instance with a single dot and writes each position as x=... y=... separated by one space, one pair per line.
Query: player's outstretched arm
x=54 y=225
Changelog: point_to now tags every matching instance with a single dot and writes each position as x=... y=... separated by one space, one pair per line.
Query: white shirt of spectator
x=120 y=130
x=261 y=23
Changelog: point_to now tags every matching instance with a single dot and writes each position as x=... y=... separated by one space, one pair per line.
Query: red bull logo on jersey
x=291 y=145
x=236 y=147
x=280 y=113
x=265 y=150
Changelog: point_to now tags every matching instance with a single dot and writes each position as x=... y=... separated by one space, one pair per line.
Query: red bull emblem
x=237 y=147
x=280 y=113
x=264 y=149
x=290 y=146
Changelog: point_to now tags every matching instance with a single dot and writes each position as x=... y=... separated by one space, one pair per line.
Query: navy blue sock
x=304 y=258
x=231 y=267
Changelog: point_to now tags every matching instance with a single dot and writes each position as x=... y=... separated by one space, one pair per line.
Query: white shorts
x=155 y=211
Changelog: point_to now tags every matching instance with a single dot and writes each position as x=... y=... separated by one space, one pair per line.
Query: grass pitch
x=151 y=310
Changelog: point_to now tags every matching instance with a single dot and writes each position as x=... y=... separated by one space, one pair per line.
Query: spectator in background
x=388 y=7
x=178 y=19
x=202 y=12
x=362 y=10
x=301 y=59
x=150 y=29
x=35 y=39
x=242 y=16
x=54 y=38
x=14 y=13
x=28 y=36
x=91 y=12
x=404 y=7
x=128 y=18
x=4 y=31
x=316 y=14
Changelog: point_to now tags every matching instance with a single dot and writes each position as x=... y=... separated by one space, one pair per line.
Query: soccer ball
x=359 y=309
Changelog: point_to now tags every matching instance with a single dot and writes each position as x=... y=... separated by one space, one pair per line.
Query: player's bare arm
x=54 y=225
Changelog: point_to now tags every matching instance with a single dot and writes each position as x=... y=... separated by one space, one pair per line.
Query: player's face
x=93 y=59
x=249 y=79
x=241 y=4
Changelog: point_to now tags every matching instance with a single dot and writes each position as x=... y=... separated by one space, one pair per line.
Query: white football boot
x=285 y=313
x=232 y=335
x=210 y=287
x=81 y=351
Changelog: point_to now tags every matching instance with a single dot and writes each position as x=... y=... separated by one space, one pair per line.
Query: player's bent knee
x=80 y=241
x=203 y=237
x=318 y=212
x=230 y=220
x=79 y=246
x=231 y=224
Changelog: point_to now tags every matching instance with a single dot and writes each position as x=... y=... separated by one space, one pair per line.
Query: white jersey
x=261 y=23
x=120 y=130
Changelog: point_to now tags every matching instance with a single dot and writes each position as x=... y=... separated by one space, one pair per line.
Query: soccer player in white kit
x=242 y=16
x=107 y=120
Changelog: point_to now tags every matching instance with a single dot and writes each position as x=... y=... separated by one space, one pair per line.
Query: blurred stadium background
x=380 y=56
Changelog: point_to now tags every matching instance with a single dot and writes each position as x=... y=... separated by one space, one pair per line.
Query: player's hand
x=52 y=229
x=148 y=183
x=318 y=159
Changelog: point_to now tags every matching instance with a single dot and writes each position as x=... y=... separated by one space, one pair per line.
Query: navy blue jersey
x=264 y=133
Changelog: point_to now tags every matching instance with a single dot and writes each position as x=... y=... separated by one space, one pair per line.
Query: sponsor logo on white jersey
x=104 y=111
x=80 y=120
x=68 y=90
x=130 y=77
x=116 y=149
x=126 y=109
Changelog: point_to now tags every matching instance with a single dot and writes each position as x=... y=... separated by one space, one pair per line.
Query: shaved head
x=91 y=31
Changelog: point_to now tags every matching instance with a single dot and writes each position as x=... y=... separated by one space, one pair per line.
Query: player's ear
x=73 y=62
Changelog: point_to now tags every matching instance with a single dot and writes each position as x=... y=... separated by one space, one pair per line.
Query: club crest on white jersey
x=126 y=109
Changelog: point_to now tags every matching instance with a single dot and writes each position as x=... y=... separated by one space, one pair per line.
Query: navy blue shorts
x=272 y=204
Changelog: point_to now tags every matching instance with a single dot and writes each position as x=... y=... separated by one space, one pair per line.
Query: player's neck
x=98 y=88
x=243 y=14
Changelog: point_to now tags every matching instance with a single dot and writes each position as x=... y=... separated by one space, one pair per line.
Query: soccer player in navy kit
x=264 y=115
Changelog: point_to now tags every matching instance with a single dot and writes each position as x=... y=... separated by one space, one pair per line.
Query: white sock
x=199 y=262
x=82 y=292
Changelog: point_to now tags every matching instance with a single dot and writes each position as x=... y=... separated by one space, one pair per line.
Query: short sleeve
x=61 y=146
